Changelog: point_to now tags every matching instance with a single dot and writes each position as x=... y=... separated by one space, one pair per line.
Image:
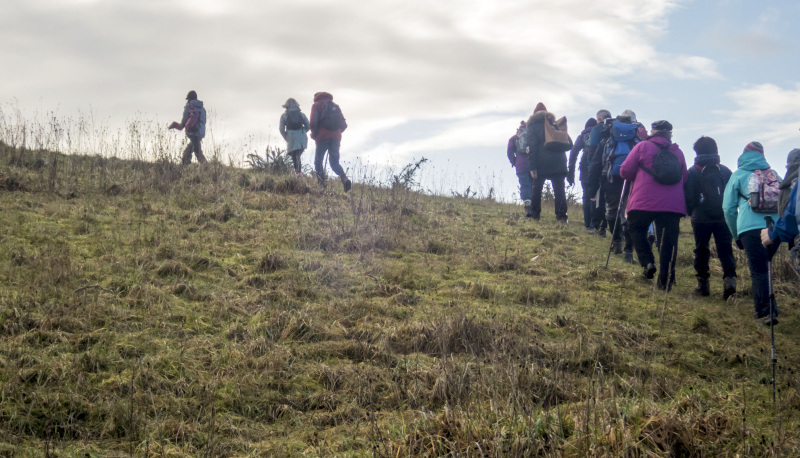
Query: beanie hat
x=539 y=107
x=754 y=146
x=192 y=95
x=793 y=157
x=522 y=123
x=705 y=145
x=591 y=122
x=661 y=125
x=630 y=114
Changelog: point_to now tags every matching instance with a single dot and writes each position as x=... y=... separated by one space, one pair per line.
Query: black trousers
x=559 y=193
x=669 y=229
x=613 y=192
x=723 y=241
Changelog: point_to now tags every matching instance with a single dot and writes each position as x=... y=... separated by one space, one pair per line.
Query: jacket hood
x=197 y=103
x=322 y=97
x=540 y=115
x=752 y=160
x=788 y=180
x=706 y=159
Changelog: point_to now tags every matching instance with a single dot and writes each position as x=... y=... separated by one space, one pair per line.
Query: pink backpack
x=763 y=188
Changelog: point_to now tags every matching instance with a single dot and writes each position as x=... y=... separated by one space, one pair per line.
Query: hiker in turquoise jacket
x=746 y=224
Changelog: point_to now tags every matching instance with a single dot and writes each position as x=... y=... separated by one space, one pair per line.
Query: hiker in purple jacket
x=519 y=160
x=650 y=201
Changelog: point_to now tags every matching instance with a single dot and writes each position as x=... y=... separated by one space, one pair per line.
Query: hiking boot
x=770 y=320
x=601 y=232
x=528 y=211
x=346 y=183
x=660 y=285
x=616 y=247
x=729 y=287
x=591 y=230
x=627 y=256
x=702 y=287
x=649 y=271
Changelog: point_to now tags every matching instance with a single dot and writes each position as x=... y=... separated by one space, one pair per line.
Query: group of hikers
x=326 y=126
x=636 y=184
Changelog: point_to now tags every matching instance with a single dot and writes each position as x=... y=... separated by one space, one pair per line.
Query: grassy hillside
x=155 y=310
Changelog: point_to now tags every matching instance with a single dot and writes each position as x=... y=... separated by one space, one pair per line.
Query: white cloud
x=764 y=111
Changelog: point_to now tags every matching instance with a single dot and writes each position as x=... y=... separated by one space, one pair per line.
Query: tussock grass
x=153 y=309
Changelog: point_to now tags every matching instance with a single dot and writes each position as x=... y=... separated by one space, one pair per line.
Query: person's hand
x=765 y=240
x=528 y=149
x=534 y=175
x=174 y=125
x=739 y=244
x=571 y=177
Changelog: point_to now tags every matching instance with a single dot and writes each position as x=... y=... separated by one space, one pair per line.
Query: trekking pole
x=669 y=276
x=614 y=231
x=772 y=307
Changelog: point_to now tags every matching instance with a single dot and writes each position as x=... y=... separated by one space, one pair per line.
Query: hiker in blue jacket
x=786 y=228
x=194 y=120
x=745 y=225
x=583 y=169
x=293 y=127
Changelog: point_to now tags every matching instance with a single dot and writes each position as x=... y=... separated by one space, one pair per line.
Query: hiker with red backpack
x=327 y=125
x=656 y=169
x=293 y=127
x=548 y=159
x=194 y=122
x=704 y=192
x=750 y=197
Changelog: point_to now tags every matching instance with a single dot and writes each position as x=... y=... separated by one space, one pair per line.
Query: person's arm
x=730 y=205
x=511 y=150
x=573 y=158
x=631 y=163
x=313 y=123
x=532 y=147
x=306 y=124
x=690 y=192
x=282 y=125
x=785 y=229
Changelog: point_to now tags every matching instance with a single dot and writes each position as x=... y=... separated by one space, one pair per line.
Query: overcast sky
x=448 y=80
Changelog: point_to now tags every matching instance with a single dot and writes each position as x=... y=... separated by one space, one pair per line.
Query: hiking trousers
x=613 y=192
x=723 y=241
x=757 y=258
x=296 y=163
x=559 y=194
x=588 y=205
x=195 y=147
x=669 y=229
x=525 y=186
x=331 y=146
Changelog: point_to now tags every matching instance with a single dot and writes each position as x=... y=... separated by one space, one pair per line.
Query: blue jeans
x=757 y=258
x=525 y=185
x=331 y=146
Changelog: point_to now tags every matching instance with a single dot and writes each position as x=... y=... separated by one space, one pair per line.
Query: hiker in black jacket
x=545 y=165
x=594 y=152
x=704 y=191
x=583 y=168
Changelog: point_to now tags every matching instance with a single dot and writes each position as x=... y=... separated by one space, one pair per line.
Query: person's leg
x=613 y=190
x=702 y=235
x=197 y=144
x=319 y=157
x=638 y=222
x=536 y=197
x=669 y=225
x=187 y=153
x=587 y=206
x=724 y=242
x=757 y=259
x=295 y=155
x=333 y=156
x=525 y=185
x=560 y=195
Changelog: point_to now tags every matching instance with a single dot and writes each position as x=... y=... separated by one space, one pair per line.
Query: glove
x=739 y=244
x=571 y=177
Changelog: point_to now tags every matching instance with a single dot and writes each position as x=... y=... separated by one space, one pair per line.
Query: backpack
x=556 y=137
x=667 y=169
x=331 y=117
x=294 y=120
x=618 y=146
x=763 y=187
x=522 y=137
x=194 y=117
x=712 y=188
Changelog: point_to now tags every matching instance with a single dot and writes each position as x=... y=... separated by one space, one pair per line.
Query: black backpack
x=667 y=168
x=294 y=120
x=331 y=117
x=712 y=188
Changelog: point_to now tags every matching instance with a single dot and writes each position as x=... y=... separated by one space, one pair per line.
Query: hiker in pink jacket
x=650 y=201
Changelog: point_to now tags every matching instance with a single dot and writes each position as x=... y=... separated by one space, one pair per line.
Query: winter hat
x=705 y=145
x=754 y=146
x=290 y=103
x=522 y=123
x=793 y=157
x=192 y=95
x=591 y=122
x=539 y=107
x=661 y=126
x=630 y=114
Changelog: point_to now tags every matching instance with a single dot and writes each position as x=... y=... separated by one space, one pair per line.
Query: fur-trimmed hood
x=539 y=117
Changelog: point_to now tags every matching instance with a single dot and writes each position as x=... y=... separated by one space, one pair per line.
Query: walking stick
x=772 y=307
x=614 y=231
